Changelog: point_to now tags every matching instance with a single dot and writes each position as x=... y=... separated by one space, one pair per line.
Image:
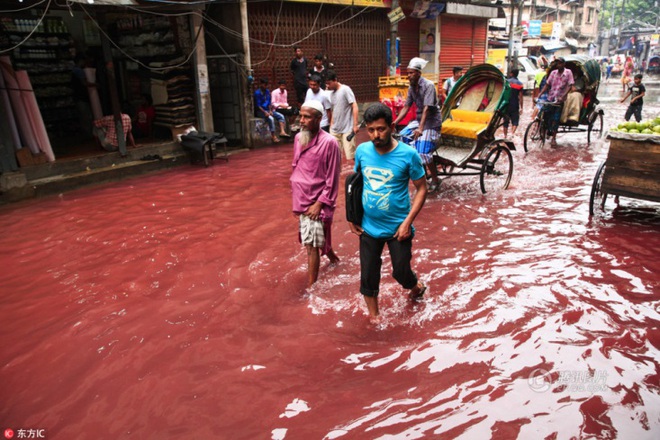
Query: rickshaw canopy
x=483 y=88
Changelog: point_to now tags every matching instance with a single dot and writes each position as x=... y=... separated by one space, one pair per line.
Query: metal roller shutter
x=408 y=30
x=462 y=43
x=356 y=47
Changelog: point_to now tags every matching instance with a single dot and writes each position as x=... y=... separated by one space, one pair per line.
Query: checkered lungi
x=311 y=232
x=426 y=144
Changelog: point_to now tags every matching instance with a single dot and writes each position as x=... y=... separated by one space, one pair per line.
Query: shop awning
x=554 y=45
x=533 y=42
x=571 y=42
x=626 y=46
x=497 y=43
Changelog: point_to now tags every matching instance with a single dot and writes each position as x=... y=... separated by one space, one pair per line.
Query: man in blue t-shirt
x=387 y=166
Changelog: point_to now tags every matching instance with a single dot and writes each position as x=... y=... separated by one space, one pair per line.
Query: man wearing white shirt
x=315 y=93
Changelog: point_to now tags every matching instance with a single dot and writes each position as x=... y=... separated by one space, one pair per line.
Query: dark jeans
x=301 y=92
x=293 y=111
x=553 y=114
x=371 y=261
x=634 y=110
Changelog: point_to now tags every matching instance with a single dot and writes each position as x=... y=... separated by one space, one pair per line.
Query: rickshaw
x=471 y=114
x=654 y=65
x=586 y=72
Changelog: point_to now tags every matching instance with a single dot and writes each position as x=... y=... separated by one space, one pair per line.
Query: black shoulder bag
x=354 y=185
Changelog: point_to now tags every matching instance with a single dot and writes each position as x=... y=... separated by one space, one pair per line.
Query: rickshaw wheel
x=497 y=168
x=597 y=196
x=534 y=136
x=597 y=127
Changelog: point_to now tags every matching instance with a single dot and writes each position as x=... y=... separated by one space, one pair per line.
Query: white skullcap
x=316 y=105
x=417 y=64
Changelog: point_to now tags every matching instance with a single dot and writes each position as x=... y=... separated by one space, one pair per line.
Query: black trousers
x=634 y=110
x=371 y=260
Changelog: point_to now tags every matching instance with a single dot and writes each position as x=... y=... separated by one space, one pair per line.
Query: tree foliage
x=614 y=13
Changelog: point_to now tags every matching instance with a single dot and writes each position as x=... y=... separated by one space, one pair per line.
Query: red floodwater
x=173 y=306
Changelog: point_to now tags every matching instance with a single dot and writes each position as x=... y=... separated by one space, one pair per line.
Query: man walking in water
x=314 y=186
x=387 y=167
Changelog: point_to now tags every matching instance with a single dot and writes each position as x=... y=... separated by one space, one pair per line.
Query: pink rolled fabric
x=34 y=114
x=24 y=127
x=5 y=104
x=94 y=100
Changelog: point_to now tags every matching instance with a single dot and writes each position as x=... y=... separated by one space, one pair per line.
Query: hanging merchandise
x=20 y=111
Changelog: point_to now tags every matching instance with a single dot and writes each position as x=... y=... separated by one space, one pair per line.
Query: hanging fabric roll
x=20 y=112
x=95 y=102
x=34 y=114
x=5 y=104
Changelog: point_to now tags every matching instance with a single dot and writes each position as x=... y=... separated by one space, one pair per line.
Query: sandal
x=420 y=295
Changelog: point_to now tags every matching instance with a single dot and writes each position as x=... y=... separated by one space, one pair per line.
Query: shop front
x=63 y=68
x=351 y=35
x=447 y=35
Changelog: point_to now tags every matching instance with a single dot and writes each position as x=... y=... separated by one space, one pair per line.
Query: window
x=590 y=15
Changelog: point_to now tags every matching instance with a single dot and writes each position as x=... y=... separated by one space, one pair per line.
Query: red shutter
x=356 y=47
x=462 y=43
x=408 y=31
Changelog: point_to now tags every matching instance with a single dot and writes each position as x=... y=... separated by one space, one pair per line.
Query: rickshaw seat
x=466 y=123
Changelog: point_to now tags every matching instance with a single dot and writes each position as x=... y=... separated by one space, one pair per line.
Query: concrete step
x=65 y=175
x=102 y=159
x=97 y=175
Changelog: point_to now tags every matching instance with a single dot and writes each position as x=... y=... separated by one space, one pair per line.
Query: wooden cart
x=632 y=169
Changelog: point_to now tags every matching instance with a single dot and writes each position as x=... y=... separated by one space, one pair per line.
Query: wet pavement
x=174 y=306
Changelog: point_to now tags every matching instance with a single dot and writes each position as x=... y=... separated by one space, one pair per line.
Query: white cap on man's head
x=417 y=64
x=316 y=105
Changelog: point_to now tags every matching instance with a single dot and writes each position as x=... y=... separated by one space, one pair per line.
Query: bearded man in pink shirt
x=314 y=186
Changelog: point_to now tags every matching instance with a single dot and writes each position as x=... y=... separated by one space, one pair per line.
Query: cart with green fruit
x=632 y=167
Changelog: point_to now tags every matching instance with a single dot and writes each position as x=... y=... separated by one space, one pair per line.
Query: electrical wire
x=23 y=9
x=31 y=32
x=207 y=19
x=135 y=60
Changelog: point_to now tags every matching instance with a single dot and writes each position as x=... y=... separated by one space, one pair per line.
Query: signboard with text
x=364 y=3
x=535 y=28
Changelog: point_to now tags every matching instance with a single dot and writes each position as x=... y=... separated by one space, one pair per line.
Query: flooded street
x=173 y=306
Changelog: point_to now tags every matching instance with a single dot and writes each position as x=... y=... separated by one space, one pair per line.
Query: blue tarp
x=626 y=46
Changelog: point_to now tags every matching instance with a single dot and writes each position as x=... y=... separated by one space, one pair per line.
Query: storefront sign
x=426 y=9
x=396 y=15
x=427 y=44
x=497 y=57
x=556 y=31
x=535 y=28
x=655 y=38
x=546 y=29
x=371 y=3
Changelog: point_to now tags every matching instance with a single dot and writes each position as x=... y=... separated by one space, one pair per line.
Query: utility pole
x=394 y=31
x=512 y=57
x=247 y=106
x=518 y=31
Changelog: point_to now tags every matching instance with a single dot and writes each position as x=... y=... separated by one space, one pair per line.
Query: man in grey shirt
x=424 y=131
x=344 y=118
